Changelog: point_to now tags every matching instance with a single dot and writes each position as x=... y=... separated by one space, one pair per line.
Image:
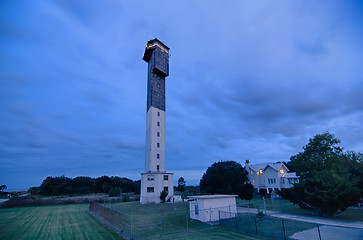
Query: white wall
x=151 y=149
x=209 y=209
x=158 y=183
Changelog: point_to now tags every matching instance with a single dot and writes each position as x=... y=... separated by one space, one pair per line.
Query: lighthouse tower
x=155 y=179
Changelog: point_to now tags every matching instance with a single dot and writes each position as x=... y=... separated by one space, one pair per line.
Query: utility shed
x=210 y=208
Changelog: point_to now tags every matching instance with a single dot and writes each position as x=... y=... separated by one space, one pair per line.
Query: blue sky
x=248 y=80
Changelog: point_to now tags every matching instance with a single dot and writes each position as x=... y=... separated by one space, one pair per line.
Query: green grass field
x=52 y=222
x=74 y=222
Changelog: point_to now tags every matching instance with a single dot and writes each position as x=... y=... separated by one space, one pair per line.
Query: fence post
x=318 y=231
x=187 y=222
x=273 y=203
x=256 y=226
x=210 y=213
x=283 y=228
x=131 y=227
x=264 y=204
x=161 y=224
x=235 y=215
x=219 y=217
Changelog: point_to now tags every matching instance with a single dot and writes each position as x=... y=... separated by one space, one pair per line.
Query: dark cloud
x=247 y=81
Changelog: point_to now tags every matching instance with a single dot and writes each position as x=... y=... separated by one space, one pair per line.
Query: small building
x=211 y=208
x=267 y=177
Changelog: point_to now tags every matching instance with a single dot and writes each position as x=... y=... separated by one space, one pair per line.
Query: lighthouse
x=155 y=179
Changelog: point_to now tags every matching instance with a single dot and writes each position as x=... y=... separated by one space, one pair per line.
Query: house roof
x=291 y=175
x=263 y=166
x=211 y=196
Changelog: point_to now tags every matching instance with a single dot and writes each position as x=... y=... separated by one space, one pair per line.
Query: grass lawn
x=158 y=219
x=171 y=221
x=210 y=233
x=52 y=222
x=355 y=214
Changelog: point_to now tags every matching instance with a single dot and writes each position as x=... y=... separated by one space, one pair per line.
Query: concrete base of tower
x=153 y=183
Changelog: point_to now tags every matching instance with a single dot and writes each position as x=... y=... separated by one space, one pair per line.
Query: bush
x=125 y=198
x=115 y=192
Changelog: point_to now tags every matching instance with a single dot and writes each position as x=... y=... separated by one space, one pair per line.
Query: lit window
x=166 y=177
x=150 y=189
x=260 y=171
x=251 y=173
x=253 y=182
x=158 y=145
x=281 y=170
x=158 y=156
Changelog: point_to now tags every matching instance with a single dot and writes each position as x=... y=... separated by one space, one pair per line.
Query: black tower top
x=157 y=55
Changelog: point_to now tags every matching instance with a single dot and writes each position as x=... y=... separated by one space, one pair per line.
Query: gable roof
x=263 y=166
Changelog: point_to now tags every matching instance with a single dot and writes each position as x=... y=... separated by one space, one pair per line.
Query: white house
x=210 y=208
x=270 y=176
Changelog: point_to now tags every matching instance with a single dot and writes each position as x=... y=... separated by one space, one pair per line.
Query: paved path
x=318 y=220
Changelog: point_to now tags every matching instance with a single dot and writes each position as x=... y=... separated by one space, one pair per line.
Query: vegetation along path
x=52 y=222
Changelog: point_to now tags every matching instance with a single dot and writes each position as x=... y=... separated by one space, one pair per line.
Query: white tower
x=155 y=179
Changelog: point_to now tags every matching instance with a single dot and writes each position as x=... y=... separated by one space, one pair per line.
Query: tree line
x=62 y=185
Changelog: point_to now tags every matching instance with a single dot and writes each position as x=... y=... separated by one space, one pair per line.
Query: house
x=266 y=177
x=210 y=208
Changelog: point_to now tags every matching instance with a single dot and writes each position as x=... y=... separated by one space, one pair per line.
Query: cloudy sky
x=248 y=80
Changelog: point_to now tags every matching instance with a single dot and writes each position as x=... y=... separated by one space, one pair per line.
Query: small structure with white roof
x=210 y=208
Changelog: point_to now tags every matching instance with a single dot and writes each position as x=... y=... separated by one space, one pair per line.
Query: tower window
x=150 y=189
x=158 y=123
x=157 y=167
x=158 y=85
x=158 y=114
x=158 y=145
x=166 y=177
x=158 y=134
x=158 y=156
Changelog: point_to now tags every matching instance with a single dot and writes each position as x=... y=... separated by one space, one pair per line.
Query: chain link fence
x=141 y=225
x=278 y=204
x=276 y=228
x=149 y=222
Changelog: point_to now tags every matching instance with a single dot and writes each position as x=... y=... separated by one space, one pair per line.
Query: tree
x=163 y=195
x=329 y=177
x=82 y=185
x=181 y=185
x=34 y=190
x=3 y=188
x=227 y=177
x=102 y=184
x=56 y=186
